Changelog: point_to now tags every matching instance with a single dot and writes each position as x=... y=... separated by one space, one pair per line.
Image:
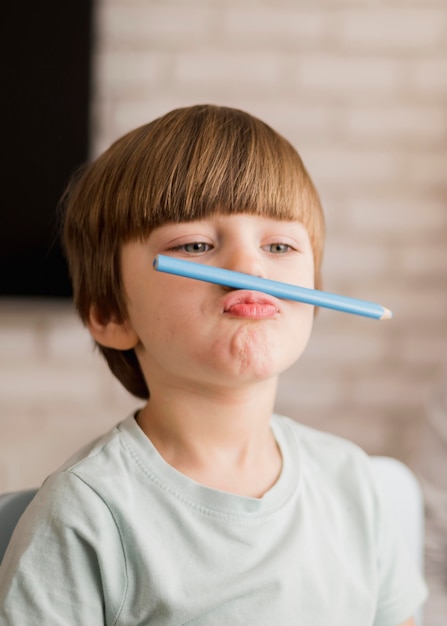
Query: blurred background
x=360 y=89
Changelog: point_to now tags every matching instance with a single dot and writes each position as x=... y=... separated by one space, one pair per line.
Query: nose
x=246 y=261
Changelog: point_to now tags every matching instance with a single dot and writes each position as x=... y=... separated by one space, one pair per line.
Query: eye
x=194 y=247
x=278 y=248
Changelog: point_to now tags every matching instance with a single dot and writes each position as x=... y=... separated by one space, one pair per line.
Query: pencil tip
x=387 y=314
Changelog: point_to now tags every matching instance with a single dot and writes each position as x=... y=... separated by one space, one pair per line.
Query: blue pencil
x=219 y=276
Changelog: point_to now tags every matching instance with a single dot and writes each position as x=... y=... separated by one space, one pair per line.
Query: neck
x=217 y=437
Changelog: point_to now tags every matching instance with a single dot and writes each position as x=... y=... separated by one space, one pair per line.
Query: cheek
x=299 y=329
x=170 y=314
x=308 y=277
x=158 y=298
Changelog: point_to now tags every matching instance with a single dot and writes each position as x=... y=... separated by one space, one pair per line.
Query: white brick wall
x=416 y=28
x=55 y=392
x=360 y=89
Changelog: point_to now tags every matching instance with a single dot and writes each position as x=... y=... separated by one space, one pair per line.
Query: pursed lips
x=250 y=305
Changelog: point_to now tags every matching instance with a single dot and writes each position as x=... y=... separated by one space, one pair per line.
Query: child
x=203 y=507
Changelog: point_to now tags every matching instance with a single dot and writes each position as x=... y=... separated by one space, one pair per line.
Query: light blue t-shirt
x=118 y=536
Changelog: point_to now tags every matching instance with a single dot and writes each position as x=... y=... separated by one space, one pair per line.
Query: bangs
x=192 y=163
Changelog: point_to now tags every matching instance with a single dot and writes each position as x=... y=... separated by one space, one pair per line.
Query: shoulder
x=336 y=469
x=100 y=455
x=80 y=483
x=339 y=487
x=67 y=545
x=321 y=447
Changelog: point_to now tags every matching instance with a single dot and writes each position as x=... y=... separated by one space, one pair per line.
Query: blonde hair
x=186 y=165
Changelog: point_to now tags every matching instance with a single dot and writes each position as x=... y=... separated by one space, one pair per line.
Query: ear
x=111 y=333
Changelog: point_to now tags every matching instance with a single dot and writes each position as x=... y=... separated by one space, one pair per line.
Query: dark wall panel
x=46 y=94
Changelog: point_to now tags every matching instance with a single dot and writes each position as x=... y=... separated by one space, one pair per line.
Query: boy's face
x=199 y=334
